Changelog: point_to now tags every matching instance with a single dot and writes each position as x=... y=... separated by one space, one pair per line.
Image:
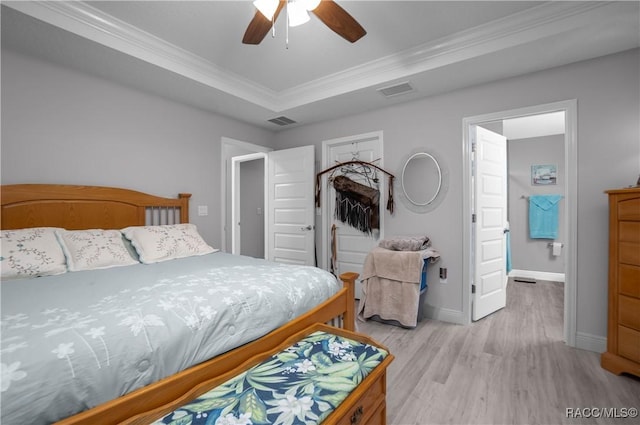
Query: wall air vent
x=396 y=89
x=282 y=121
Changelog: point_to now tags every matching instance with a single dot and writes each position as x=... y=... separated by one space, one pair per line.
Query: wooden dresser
x=623 y=331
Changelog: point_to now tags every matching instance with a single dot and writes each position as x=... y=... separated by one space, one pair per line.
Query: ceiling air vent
x=396 y=89
x=282 y=121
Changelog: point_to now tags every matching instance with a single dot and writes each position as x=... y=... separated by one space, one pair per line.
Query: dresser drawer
x=629 y=312
x=629 y=231
x=366 y=406
x=629 y=253
x=629 y=242
x=379 y=417
x=629 y=280
x=629 y=343
x=629 y=209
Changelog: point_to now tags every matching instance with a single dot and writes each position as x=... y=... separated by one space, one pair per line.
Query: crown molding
x=523 y=27
x=84 y=20
x=533 y=24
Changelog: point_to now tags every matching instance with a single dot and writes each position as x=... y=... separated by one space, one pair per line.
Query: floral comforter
x=73 y=341
x=301 y=385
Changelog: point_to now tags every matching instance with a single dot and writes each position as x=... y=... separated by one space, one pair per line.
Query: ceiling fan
x=329 y=12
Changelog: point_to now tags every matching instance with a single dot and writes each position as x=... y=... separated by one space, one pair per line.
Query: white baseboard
x=444 y=315
x=584 y=341
x=590 y=342
x=531 y=274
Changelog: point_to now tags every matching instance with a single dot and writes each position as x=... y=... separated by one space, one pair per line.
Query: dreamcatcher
x=357 y=196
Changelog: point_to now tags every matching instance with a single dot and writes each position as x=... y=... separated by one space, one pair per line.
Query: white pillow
x=30 y=253
x=94 y=249
x=167 y=242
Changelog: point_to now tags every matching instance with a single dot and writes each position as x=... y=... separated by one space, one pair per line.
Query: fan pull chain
x=273 y=26
x=286 y=38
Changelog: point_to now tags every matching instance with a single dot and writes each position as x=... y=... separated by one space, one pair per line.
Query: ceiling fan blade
x=339 y=21
x=259 y=26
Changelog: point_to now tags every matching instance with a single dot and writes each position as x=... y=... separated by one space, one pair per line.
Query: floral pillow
x=94 y=249
x=30 y=253
x=168 y=242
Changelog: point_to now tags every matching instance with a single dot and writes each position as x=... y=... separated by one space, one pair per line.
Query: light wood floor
x=511 y=367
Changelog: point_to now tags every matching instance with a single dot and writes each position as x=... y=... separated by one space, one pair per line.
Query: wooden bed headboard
x=86 y=207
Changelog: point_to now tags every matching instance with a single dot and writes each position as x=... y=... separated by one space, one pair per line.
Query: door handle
x=357 y=416
x=505 y=231
x=309 y=227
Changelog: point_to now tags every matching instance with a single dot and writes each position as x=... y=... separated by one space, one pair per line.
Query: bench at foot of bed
x=320 y=375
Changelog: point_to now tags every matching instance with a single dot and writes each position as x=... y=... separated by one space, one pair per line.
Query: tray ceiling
x=191 y=51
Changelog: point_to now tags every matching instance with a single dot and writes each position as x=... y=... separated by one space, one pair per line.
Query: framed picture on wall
x=544 y=174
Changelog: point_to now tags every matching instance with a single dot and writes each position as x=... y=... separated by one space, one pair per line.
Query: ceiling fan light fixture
x=327 y=11
x=297 y=12
x=266 y=7
x=311 y=4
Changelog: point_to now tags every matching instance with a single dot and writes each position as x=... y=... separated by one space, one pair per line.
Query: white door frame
x=570 y=108
x=225 y=163
x=235 y=199
x=324 y=199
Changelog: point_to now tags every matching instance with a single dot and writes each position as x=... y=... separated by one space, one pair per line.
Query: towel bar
x=526 y=197
x=550 y=244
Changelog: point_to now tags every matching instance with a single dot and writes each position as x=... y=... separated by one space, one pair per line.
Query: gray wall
x=607 y=91
x=252 y=199
x=61 y=126
x=526 y=253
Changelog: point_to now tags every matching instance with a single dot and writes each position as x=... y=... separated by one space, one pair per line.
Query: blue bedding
x=73 y=341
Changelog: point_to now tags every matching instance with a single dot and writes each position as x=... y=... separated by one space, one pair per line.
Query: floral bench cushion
x=302 y=384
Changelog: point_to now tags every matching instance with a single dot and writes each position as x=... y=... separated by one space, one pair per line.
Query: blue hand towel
x=543 y=216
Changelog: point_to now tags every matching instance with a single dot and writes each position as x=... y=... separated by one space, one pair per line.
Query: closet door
x=352 y=245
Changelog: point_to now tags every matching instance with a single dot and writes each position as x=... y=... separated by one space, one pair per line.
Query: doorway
x=252 y=206
x=287 y=212
x=231 y=148
x=249 y=204
x=570 y=205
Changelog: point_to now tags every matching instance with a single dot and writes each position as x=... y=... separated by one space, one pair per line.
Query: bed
x=142 y=301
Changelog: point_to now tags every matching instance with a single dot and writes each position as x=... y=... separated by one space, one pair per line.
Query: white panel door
x=490 y=278
x=290 y=225
x=352 y=244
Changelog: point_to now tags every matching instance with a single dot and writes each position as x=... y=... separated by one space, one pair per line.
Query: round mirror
x=422 y=182
x=421 y=179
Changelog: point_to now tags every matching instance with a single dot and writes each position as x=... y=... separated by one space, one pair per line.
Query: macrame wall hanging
x=357 y=203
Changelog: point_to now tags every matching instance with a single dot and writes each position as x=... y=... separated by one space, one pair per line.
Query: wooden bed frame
x=87 y=207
